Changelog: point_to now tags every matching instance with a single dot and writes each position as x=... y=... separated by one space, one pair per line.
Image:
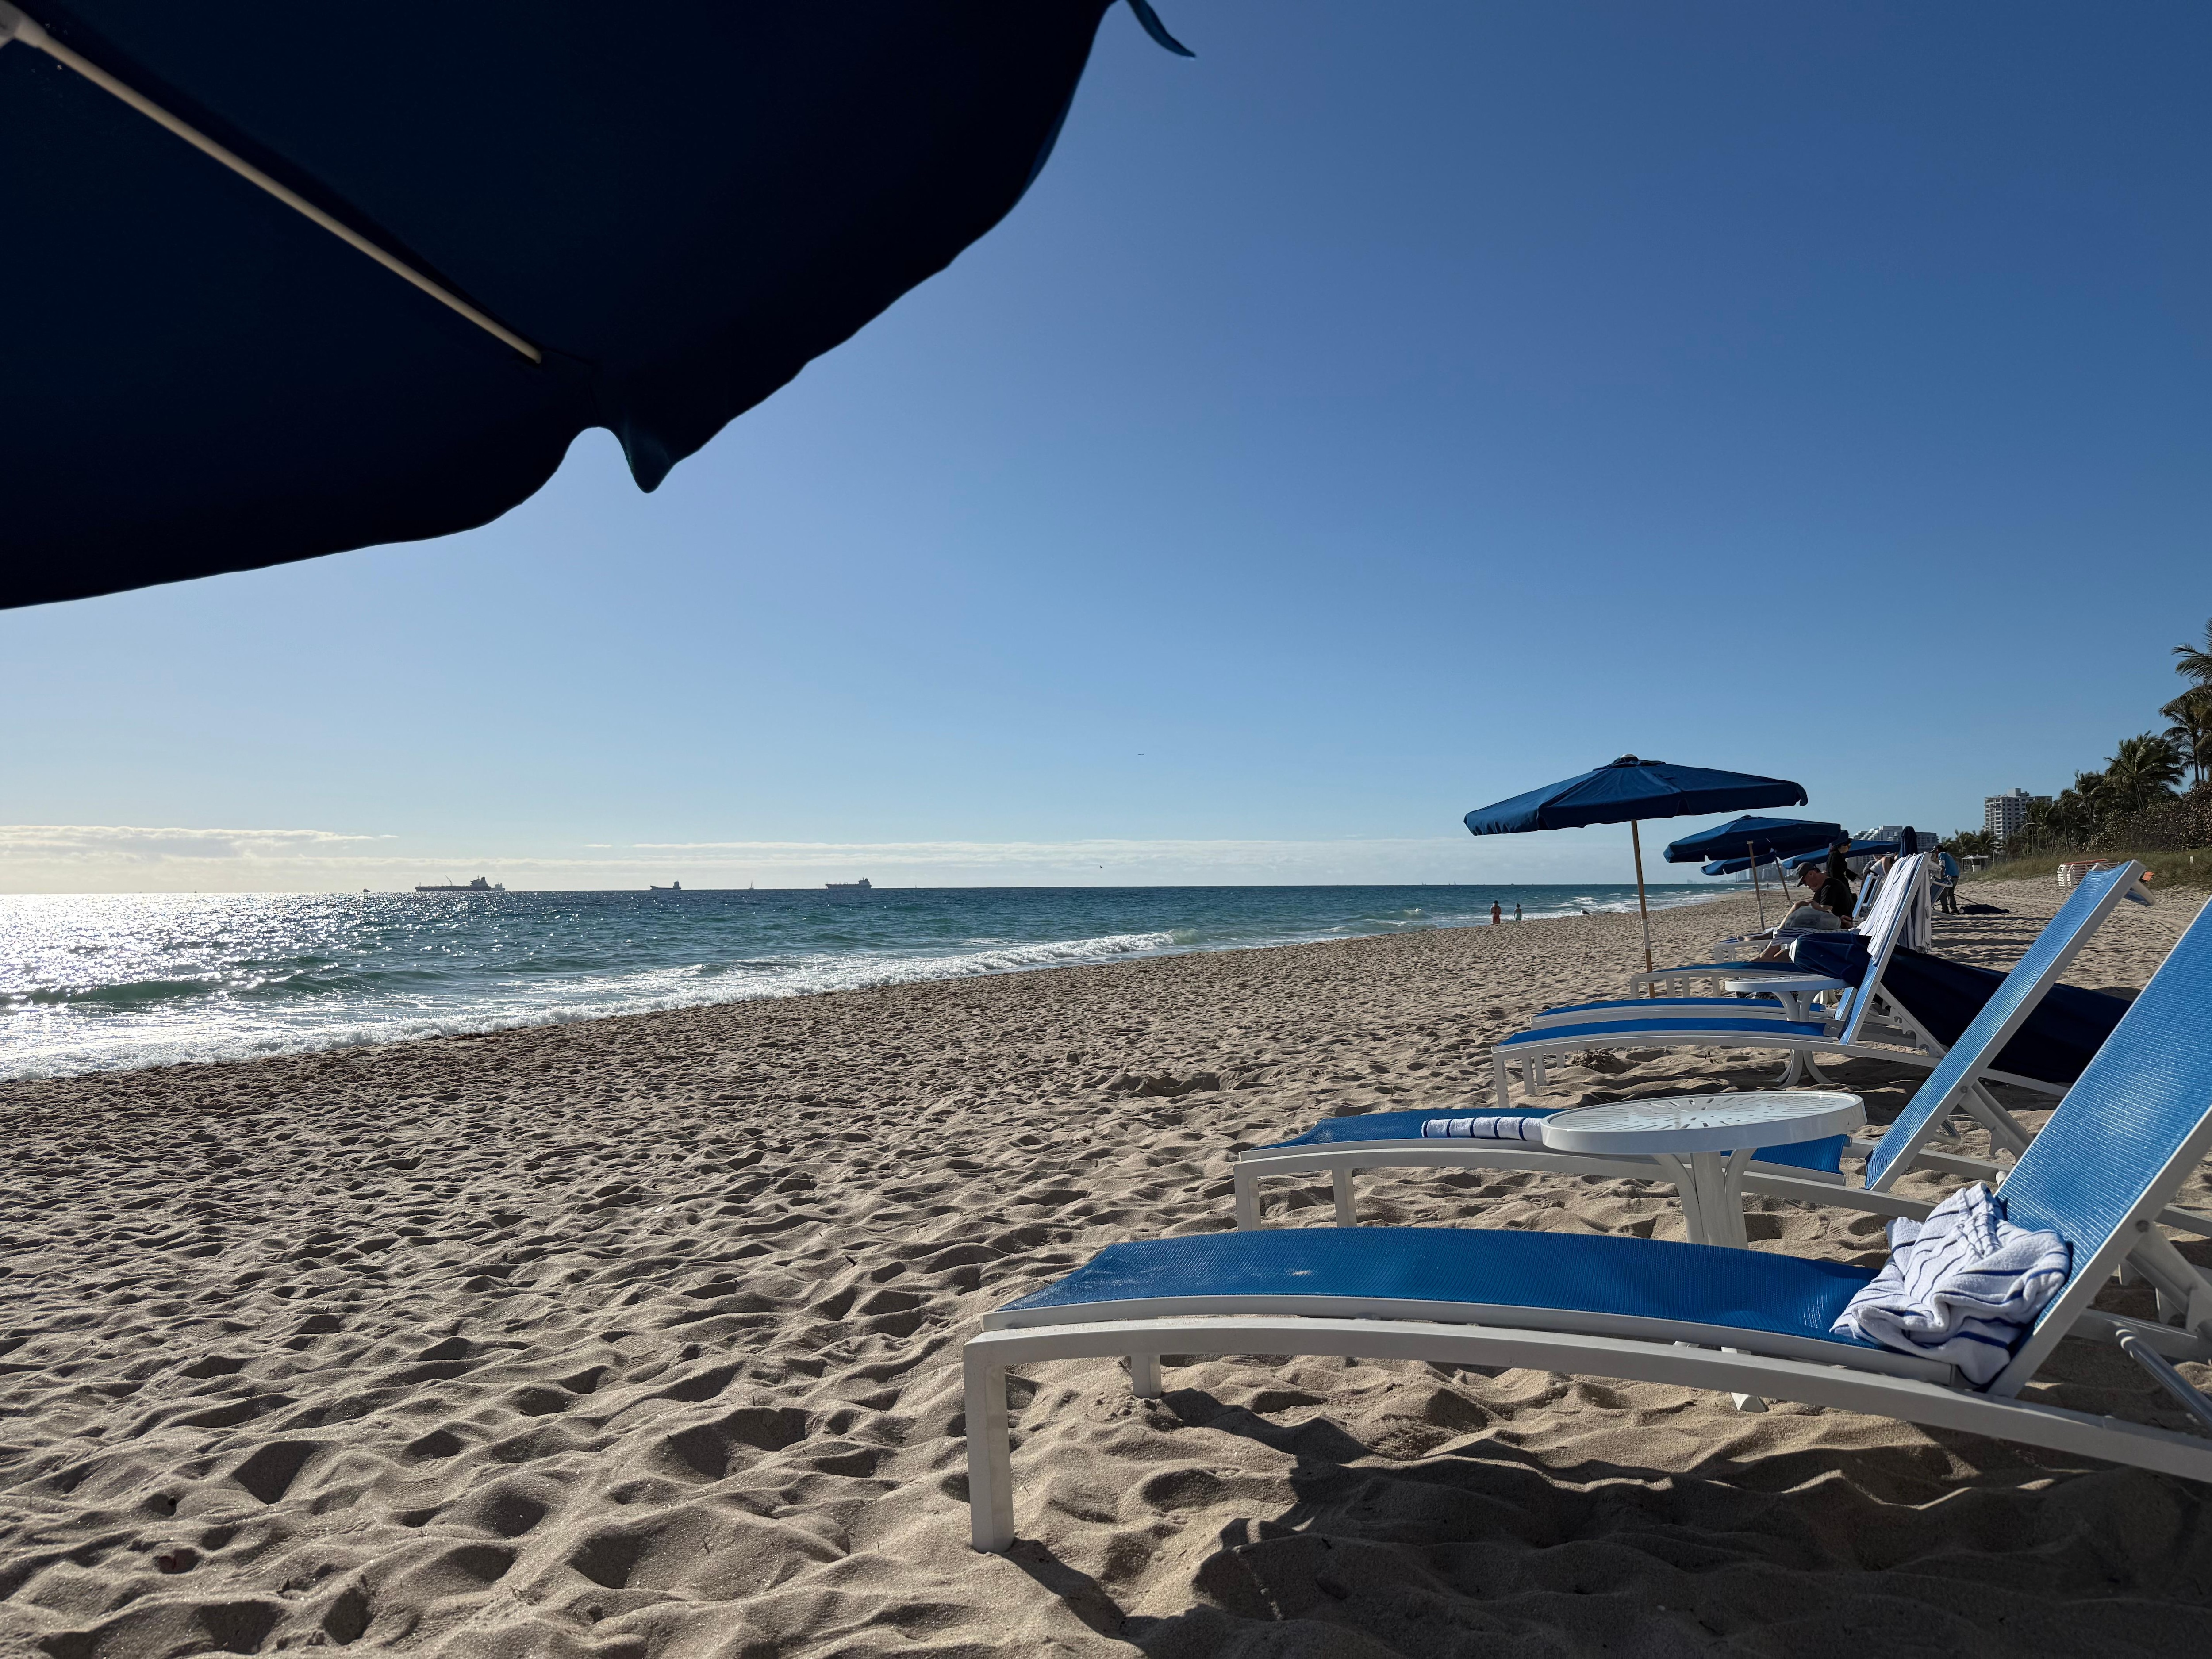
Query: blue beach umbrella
x=289 y=279
x=1627 y=790
x=1760 y=839
x=1857 y=850
x=1764 y=839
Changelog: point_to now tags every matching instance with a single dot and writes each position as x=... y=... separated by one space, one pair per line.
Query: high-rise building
x=2002 y=816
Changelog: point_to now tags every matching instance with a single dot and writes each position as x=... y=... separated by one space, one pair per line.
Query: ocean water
x=106 y=982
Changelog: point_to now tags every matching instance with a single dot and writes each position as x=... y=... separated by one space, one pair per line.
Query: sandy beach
x=639 y=1338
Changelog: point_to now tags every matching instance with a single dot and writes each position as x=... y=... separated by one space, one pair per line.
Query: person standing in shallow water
x=1497 y=915
x=1516 y=912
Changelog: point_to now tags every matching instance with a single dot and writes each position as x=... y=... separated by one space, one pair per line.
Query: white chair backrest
x=1884 y=928
x=1895 y=889
x=1869 y=886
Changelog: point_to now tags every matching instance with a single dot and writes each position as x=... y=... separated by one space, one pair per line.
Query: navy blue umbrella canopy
x=1746 y=837
x=1629 y=789
x=1626 y=791
x=502 y=223
x=1857 y=850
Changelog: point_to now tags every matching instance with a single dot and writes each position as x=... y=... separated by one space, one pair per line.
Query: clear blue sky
x=1390 y=411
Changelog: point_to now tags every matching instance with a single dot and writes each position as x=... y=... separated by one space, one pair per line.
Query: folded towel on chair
x=1487 y=1126
x=1962 y=1286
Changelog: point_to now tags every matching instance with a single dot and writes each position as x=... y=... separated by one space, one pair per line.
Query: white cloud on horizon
x=85 y=841
x=109 y=857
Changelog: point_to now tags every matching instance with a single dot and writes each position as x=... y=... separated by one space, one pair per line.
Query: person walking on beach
x=1516 y=912
x=1497 y=915
x=1947 y=880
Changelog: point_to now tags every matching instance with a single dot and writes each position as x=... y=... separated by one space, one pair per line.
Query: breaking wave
x=109 y=982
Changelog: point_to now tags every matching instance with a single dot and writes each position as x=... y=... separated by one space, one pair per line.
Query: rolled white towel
x=1486 y=1126
x=1962 y=1286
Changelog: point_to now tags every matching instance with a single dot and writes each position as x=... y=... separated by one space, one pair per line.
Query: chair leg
x=1340 y=1180
x=2005 y=1131
x=990 y=1471
x=1247 y=1197
x=1145 y=1375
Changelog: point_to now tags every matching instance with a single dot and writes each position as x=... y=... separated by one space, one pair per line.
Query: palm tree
x=2143 y=771
x=2195 y=662
x=2067 y=820
x=2192 y=731
x=2092 y=794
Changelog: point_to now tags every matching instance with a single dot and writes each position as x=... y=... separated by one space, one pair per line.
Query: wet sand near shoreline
x=640 y=1337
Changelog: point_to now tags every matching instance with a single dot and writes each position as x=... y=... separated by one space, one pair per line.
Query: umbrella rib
x=15 y=26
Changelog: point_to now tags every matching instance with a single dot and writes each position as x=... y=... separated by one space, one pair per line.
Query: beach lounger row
x=1919 y=927
x=1863 y=1022
x=1342 y=1147
x=2101 y=1175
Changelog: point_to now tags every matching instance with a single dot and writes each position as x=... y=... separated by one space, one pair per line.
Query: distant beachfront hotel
x=2002 y=815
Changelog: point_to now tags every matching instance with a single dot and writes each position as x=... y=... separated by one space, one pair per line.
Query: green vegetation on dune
x=2136 y=807
x=2185 y=866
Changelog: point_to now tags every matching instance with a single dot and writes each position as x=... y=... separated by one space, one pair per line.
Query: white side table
x=1796 y=993
x=1704 y=1141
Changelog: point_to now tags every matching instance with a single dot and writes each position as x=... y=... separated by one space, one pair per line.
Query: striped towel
x=1487 y=1126
x=1963 y=1286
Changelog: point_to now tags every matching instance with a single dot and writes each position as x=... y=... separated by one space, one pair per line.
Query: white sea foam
x=89 y=984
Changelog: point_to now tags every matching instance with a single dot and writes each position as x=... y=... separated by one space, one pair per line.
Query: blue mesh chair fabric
x=2139 y=1106
x=1611 y=1030
x=1627 y=1007
x=1595 y=1274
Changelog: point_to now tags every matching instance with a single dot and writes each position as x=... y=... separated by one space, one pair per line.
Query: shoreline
x=640 y=1337
x=346 y=1038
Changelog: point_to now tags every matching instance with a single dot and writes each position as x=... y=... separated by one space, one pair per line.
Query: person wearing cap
x=1823 y=892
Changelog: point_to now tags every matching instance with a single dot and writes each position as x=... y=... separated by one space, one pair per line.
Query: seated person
x=1811 y=914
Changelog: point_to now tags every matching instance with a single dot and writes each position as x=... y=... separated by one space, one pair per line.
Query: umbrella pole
x=1752 y=847
x=1636 y=840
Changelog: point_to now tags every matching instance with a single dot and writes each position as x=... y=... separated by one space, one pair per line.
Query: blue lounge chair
x=1810 y=1170
x=1692 y=973
x=1865 y=1023
x=2104 y=1168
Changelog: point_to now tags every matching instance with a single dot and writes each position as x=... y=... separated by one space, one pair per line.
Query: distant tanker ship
x=479 y=885
x=859 y=886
